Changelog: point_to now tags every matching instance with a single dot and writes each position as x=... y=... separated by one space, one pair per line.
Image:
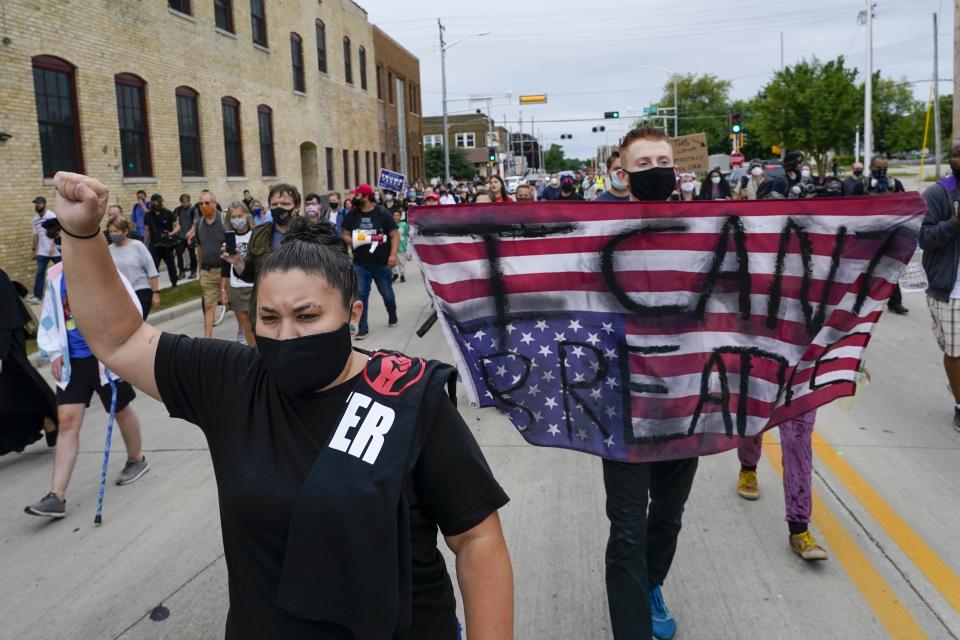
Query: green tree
x=812 y=106
x=554 y=159
x=703 y=102
x=892 y=103
x=906 y=133
x=460 y=166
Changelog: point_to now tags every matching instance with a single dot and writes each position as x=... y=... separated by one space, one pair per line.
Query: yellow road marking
x=936 y=570
x=883 y=601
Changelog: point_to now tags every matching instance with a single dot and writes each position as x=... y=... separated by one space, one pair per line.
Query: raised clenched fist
x=80 y=204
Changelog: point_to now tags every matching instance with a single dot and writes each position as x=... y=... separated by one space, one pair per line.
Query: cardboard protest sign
x=653 y=331
x=690 y=153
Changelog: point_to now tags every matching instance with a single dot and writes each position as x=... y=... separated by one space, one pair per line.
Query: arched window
x=296 y=55
x=232 y=141
x=362 y=60
x=134 y=127
x=188 y=125
x=268 y=165
x=321 y=46
x=347 y=64
x=55 y=92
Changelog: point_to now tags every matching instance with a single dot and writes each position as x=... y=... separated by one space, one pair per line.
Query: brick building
x=398 y=95
x=176 y=96
x=467 y=131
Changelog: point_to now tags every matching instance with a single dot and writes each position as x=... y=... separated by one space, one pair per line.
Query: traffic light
x=491 y=154
x=736 y=123
x=607 y=115
x=566 y=136
x=599 y=129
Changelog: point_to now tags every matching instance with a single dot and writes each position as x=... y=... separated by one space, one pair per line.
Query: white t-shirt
x=242 y=242
x=45 y=246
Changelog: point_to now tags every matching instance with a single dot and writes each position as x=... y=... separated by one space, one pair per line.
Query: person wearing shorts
x=239 y=290
x=210 y=235
x=79 y=375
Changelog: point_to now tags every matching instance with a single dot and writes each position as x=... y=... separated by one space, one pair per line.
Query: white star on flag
x=545 y=351
x=553 y=430
x=575 y=325
x=479 y=334
x=607 y=327
x=542 y=325
x=551 y=403
x=593 y=339
x=526 y=339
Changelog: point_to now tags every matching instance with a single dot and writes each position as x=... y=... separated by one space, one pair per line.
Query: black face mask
x=880 y=174
x=281 y=216
x=858 y=172
x=334 y=204
x=357 y=203
x=653 y=184
x=303 y=365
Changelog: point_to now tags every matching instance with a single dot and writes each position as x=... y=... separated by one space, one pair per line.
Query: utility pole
x=446 y=123
x=868 y=92
x=936 y=99
x=676 y=113
x=955 y=133
x=783 y=145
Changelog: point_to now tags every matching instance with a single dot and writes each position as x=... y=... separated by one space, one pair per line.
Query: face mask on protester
x=411 y=195
x=357 y=202
x=312 y=211
x=388 y=197
x=303 y=365
x=715 y=179
x=280 y=216
x=116 y=238
x=858 y=172
x=238 y=223
x=376 y=197
x=257 y=211
x=687 y=187
x=652 y=184
x=615 y=182
x=334 y=204
x=805 y=173
x=756 y=172
x=879 y=174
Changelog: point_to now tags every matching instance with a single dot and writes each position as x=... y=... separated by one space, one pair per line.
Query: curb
x=166 y=315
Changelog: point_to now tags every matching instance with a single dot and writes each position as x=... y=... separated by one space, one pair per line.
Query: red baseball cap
x=431 y=196
x=363 y=190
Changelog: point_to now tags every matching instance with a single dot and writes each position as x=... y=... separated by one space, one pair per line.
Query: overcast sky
x=589 y=57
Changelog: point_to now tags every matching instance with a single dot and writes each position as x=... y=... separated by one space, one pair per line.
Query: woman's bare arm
x=105 y=315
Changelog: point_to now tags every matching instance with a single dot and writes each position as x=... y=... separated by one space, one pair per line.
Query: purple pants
x=795 y=442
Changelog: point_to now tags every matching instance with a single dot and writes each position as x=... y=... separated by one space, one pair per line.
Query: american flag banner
x=656 y=331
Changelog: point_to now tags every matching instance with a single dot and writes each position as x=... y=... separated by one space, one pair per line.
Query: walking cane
x=98 y=519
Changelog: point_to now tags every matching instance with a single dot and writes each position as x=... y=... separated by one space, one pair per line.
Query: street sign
x=650 y=111
x=391 y=180
x=493 y=140
x=540 y=98
x=736 y=159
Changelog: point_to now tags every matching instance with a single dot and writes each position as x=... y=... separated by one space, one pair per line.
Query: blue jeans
x=383 y=276
x=42 y=263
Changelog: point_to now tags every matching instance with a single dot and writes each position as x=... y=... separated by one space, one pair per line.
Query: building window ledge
x=299 y=93
x=225 y=33
x=48 y=182
x=270 y=178
x=261 y=47
x=140 y=180
x=194 y=178
x=236 y=178
x=183 y=16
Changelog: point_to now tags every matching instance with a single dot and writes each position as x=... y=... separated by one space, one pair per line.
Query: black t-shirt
x=209 y=238
x=263 y=444
x=377 y=221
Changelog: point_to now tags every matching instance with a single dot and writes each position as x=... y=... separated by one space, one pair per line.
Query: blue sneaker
x=664 y=626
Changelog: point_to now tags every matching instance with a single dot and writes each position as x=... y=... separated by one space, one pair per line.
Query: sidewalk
x=160 y=542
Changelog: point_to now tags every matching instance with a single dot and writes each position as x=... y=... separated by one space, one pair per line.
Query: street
x=885 y=508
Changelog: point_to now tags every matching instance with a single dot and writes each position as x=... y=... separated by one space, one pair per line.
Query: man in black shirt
x=210 y=236
x=568 y=190
x=186 y=215
x=372 y=232
x=164 y=227
x=879 y=183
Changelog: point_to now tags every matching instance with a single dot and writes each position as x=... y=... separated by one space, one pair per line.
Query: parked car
x=511 y=184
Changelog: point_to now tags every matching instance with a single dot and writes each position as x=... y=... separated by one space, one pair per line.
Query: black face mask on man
x=357 y=203
x=281 y=215
x=652 y=184
x=303 y=365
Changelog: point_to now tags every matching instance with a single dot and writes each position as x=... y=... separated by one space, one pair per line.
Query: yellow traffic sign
x=539 y=98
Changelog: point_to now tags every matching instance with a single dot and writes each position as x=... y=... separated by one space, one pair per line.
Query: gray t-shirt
x=209 y=239
x=134 y=262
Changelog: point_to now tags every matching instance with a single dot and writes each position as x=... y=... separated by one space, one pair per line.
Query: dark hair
x=288 y=189
x=315 y=248
x=613 y=156
x=502 y=193
x=312 y=196
x=184 y=195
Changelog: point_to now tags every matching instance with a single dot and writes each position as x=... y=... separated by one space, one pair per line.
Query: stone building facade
x=175 y=96
x=469 y=132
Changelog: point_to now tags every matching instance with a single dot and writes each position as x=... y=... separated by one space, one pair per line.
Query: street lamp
x=676 y=112
x=443 y=71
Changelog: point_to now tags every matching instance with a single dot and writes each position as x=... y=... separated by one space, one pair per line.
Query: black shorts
x=85 y=380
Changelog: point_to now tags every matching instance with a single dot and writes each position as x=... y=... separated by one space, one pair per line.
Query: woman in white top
x=240 y=221
x=134 y=262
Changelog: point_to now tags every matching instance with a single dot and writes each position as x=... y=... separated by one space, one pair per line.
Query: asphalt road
x=886 y=508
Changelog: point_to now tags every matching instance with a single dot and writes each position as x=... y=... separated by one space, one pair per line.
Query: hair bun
x=319 y=233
